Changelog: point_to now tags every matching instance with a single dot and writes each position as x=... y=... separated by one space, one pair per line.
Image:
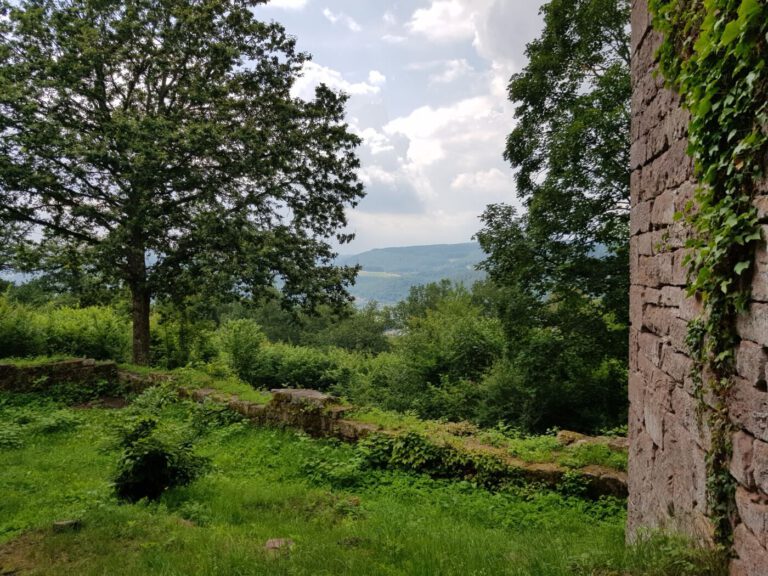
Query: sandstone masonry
x=668 y=442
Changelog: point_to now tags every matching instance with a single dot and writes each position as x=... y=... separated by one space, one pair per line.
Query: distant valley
x=388 y=273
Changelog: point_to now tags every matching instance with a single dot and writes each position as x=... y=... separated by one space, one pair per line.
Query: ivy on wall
x=714 y=54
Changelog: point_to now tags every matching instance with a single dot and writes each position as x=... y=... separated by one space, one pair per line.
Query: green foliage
x=242 y=341
x=154 y=400
x=20 y=336
x=358 y=330
x=561 y=269
x=212 y=415
x=570 y=146
x=714 y=55
x=182 y=335
x=550 y=381
x=347 y=520
x=154 y=460
x=93 y=332
x=453 y=340
x=10 y=436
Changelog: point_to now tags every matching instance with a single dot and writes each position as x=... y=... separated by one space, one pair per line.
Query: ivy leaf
x=731 y=32
x=748 y=8
x=741 y=266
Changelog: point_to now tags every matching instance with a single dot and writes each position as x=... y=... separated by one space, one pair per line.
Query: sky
x=427 y=84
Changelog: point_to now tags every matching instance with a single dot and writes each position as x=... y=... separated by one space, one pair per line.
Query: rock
x=67 y=525
x=566 y=437
x=278 y=545
x=301 y=396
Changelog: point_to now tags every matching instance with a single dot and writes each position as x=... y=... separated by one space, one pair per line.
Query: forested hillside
x=387 y=274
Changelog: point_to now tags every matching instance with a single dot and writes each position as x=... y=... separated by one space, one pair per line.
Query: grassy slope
x=273 y=484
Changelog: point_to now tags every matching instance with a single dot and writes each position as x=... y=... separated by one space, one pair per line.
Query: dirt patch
x=18 y=555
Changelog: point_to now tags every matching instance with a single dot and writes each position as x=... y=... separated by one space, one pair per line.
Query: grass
x=34 y=361
x=265 y=483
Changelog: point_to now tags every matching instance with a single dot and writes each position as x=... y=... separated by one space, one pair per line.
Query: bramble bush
x=154 y=460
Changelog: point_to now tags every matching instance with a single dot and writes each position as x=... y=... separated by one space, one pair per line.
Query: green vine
x=714 y=54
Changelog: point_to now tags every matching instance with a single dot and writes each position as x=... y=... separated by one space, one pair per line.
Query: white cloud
x=484 y=181
x=377 y=142
x=389 y=19
x=371 y=174
x=444 y=21
x=427 y=128
x=288 y=4
x=314 y=74
x=393 y=39
x=452 y=70
x=376 y=78
x=342 y=18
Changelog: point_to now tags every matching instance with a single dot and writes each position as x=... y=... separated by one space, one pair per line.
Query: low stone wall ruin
x=37 y=377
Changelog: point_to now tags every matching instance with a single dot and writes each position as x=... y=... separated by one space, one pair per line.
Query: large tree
x=158 y=140
x=562 y=263
x=570 y=149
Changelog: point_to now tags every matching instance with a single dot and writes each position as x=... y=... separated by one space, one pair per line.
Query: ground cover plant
x=342 y=516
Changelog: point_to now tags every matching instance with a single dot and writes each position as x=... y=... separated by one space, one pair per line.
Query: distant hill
x=388 y=273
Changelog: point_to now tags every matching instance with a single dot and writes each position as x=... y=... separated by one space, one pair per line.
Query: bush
x=153 y=461
x=241 y=341
x=93 y=332
x=20 y=335
x=261 y=364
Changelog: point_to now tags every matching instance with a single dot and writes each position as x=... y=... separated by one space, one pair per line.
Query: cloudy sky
x=427 y=80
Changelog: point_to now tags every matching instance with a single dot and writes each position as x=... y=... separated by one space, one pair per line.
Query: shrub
x=153 y=461
x=20 y=335
x=265 y=365
x=10 y=436
x=94 y=332
x=152 y=400
x=58 y=421
x=241 y=341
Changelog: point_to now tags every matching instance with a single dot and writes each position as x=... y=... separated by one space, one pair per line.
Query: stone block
x=760 y=465
x=741 y=461
x=751 y=557
x=651 y=346
x=754 y=324
x=637 y=387
x=675 y=364
x=641 y=23
x=751 y=362
x=748 y=407
x=664 y=208
x=753 y=511
x=640 y=219
x=760 y=281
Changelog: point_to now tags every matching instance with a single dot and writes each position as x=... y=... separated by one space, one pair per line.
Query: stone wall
x=668 y=444
x=36 y=377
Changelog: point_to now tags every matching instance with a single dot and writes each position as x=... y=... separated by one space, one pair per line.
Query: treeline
x=446 y=352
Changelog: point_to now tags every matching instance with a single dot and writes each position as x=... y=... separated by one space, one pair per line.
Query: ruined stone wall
x=668 y=444
x=38 y=377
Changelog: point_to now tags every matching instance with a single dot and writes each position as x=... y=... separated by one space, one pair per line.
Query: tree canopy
x=570 y=149
x=158 y=141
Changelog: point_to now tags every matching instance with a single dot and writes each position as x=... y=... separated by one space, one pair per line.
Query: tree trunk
x=140 y=311
x=140 y=299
